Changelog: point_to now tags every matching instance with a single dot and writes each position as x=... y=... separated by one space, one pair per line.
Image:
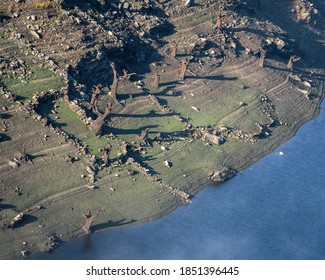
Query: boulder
x=223 y=175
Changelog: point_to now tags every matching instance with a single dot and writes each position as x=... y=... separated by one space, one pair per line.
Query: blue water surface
x=274 y=210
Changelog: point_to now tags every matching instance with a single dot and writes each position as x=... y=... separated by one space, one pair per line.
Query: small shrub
x=44 y=5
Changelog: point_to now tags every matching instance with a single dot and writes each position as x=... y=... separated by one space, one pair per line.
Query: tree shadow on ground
x=110 y=224
x=6 y=206
x=4 y=137
x=5 y=116
x=27 y=219
x=151 y=114
x=213 y=78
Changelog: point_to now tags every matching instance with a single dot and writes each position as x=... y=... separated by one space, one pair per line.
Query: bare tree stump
x=262 y=57
x=292 y=60
x=90 y=218
x=94 y=97
x=115 y=82
x=156 y=80
x=98 y=124
x=144 y=137
x=174 y=49
x=219 y=21
x=107 y=151
x=185 y=63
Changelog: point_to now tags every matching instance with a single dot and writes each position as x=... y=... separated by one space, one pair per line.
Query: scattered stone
x=131 y=172
x=167 y=163
x=307 y=84
x=24 y=253
x=35 y=34
x=213 y=138
x=13 y=164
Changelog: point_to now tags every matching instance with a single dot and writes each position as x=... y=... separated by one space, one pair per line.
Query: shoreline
x=200 y=188
x=38 y=255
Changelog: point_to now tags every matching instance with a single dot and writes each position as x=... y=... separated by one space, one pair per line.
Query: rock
x=17 y=219
x=188 y=3
x=13 y=164
x=35 y=34
x=307 y=84
x=213 y=138
x=167 y=163
x=90 y=170
x=225 y=174
x=126 y=6
x=195 y=108
x=233 y=45
x=24 y=253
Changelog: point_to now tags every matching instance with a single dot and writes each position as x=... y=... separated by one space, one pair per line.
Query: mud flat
x=65 y=172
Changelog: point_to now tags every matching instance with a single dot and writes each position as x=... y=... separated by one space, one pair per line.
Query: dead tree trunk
x=292 y=59
x=156 y=80
x=144 y=137
x=174 y=49
x=107 y=151
x=219 y=21
x=97 y=126
x=115 y=82
x=90 y=218
x=94 y=98
x=23 y=156
x=185 y=63
x=262 y=57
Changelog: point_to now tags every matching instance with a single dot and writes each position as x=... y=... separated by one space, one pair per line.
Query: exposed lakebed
x=274 y=210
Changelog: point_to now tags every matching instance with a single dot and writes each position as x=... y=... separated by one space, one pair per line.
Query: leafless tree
x=262 y=57
x=156 y=80
x=94 y=97
x=117 y=79
x=23 y=155
x=219 y=21
x=185 y=64
x=144 y=137
x=90 y=218
x=98 y=124
x=292 y=60
x=115 y=82
x=174 y=49
x=107 y=151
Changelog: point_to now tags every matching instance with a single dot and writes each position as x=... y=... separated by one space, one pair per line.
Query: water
x=274 y=210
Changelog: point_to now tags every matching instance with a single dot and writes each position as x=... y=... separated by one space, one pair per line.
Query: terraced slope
x=47 y=83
